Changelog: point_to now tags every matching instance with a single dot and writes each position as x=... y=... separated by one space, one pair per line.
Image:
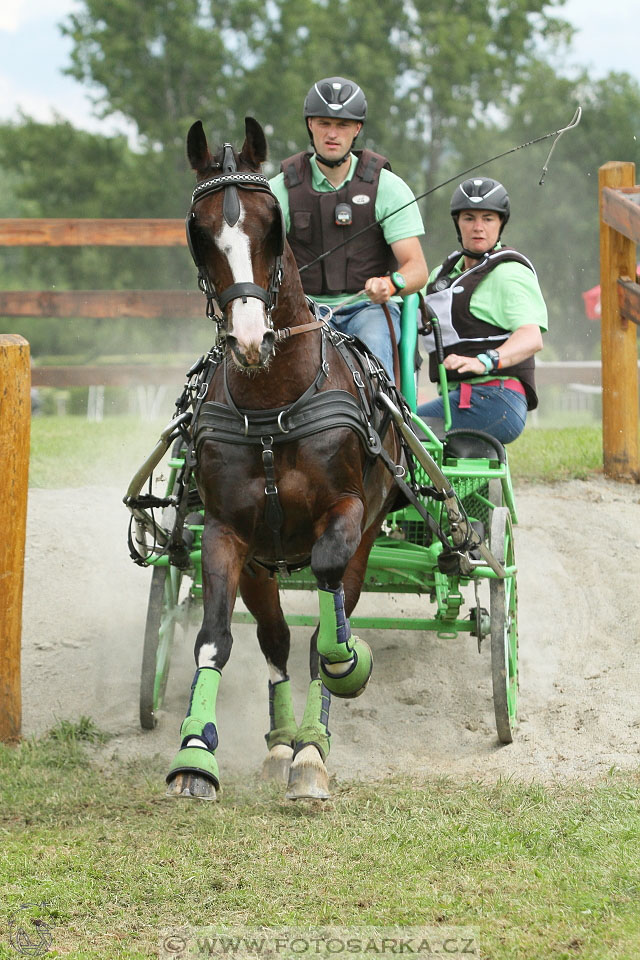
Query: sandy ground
x=428 y=709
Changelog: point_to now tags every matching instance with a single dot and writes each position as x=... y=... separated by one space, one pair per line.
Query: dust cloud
x=428 y=709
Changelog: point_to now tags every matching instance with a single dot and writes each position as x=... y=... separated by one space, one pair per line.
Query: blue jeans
x=368 y=322
x=499 y=411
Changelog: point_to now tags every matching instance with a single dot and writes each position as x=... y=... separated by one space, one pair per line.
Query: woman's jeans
x=497 y=410
x=368 y=322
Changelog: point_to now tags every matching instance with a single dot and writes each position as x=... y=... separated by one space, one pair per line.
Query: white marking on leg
x=207 y=654
x=275 y=675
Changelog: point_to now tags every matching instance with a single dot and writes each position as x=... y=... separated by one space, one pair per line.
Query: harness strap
x=273 y=514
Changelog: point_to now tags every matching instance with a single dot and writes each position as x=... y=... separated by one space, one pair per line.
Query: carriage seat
x=473 y=444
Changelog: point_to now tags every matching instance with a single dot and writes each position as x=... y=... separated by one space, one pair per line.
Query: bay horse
x=294 y=466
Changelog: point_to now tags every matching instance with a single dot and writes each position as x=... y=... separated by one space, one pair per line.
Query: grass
x=71 y=451
x=536 y=871
x=74 y=452
x=549 y=455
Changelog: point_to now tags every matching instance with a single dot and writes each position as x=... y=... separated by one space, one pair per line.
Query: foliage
x=451 y=83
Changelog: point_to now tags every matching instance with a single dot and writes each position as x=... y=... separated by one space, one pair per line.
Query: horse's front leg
x=194 y=771
x=261 y=596
x=339 y=662
x=346 y=661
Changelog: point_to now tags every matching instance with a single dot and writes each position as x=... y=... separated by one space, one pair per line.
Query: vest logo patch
x=360 y=198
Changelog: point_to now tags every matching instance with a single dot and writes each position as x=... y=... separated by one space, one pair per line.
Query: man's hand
x=379 y=289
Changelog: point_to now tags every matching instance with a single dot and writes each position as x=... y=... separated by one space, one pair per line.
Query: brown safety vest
x=470 y=329
x=313 y=228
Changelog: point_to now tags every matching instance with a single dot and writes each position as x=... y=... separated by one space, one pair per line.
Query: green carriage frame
x=405 y=559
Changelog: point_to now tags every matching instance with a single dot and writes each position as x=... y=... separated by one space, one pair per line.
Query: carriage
x=448 y=536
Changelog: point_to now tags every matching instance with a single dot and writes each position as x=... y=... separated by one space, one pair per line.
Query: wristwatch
x=494 y=356
x=398 y=281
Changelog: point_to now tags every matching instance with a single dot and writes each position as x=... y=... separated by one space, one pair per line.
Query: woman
x=491 y=311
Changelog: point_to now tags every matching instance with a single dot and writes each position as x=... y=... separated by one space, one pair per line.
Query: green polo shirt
x=509 y=296
x=392 y=194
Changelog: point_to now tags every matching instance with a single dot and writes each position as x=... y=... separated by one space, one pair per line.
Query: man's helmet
x=336 y=97
x=480 y=193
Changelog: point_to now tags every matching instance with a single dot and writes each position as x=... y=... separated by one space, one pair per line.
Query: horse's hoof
x=308 y=777
x=349 y=680
x=277 y=765
x=191 y=786
x=193 y=773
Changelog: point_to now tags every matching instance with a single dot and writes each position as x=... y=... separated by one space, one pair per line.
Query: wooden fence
x=15 y=393
x=620 y=299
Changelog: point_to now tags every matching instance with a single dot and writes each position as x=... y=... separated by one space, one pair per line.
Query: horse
x=295 y=465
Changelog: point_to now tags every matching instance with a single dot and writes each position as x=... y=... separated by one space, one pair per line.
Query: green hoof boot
x=349 y=679
x=193 y=773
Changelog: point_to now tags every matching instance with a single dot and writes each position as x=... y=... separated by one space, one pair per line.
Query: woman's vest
x=314 y=229
x=449 y=298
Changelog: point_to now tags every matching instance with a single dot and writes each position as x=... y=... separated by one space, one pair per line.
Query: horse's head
x=236 y=236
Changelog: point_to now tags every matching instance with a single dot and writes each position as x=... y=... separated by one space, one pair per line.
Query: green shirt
x=509 y=296
x=392 y=193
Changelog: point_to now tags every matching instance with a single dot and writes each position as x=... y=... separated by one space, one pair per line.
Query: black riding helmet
x=480 y=193
x=335 y=97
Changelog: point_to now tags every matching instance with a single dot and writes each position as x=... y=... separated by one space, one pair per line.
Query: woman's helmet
x=336 y=97
x=481 y=193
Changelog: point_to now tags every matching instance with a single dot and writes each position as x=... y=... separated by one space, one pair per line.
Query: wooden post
x=15 y=420
x=619 y=341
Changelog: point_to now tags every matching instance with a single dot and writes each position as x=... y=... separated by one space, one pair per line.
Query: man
x=491 y=313
x=328 y=195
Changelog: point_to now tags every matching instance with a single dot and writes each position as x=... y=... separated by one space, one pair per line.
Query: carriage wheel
x=504 y=628
x=158 y=641
x=495 y=492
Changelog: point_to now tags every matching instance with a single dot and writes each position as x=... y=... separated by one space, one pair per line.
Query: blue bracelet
x=487 y=361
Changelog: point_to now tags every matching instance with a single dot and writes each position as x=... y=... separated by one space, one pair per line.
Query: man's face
x=332 y=137
x=479 y=229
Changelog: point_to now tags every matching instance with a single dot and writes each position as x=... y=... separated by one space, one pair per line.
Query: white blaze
x=247 y=319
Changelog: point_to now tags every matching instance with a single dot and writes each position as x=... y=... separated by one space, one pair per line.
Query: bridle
x=230 y=181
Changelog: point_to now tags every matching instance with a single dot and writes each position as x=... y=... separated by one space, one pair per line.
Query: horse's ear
x=254 y=148
x=197 y=147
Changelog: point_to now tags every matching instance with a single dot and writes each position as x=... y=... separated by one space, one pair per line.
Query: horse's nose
x=267 y=346
x=246 y=355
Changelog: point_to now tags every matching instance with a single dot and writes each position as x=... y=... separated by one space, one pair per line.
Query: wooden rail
x=76 y=232
x=620 y=299
x=15 y=415
x=145 y=304
x=550 y=373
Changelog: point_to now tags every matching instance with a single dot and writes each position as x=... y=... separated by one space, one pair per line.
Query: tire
x=495 y=492
x=158 y=641
x=504 y=628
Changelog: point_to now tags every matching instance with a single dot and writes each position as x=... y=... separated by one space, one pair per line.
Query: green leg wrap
x=282 y=719
x=314 y=727
x=200 y=722
x=336 y=645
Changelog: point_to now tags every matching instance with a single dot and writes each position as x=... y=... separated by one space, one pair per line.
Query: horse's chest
x=238 y=489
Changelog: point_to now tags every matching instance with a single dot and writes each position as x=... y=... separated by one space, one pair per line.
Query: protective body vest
x=462 y=332
x=313 y=228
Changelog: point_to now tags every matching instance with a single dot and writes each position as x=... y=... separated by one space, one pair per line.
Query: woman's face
x=479 y=229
